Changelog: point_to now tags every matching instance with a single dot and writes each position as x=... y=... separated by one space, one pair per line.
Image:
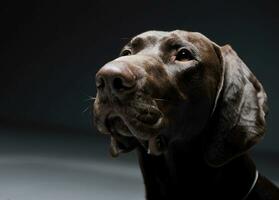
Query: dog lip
x=139 y=119
x=149 y=117
x=148 y=114
x=116 y=125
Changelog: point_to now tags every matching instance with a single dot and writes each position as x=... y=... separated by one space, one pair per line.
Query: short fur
x=192 y=109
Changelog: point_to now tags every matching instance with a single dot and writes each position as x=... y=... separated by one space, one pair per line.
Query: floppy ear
x=238 y=119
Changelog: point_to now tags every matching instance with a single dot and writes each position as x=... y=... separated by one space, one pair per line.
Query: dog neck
x=177 y=173
x=239 y=178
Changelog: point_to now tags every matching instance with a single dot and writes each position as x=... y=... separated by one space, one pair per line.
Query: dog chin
x=133 y=127
x=137 y=119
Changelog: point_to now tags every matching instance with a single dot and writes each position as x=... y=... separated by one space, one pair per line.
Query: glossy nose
x=115 y=78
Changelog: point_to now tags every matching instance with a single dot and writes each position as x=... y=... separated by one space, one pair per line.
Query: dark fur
x=212 y=108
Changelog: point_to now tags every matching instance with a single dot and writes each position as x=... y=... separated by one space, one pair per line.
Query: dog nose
x=116 y=78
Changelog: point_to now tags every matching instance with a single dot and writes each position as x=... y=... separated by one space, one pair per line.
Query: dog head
x=168 y=86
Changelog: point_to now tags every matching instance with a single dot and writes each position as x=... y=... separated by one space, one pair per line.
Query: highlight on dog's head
x=173 y=85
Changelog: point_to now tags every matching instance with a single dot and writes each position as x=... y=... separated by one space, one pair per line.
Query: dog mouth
x=139 y=120
x=116 y=125
x=154 y=145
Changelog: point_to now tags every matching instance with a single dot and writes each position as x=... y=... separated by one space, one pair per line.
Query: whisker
x=86 y=109
x=90 y=98
x=160 y=99
x=94 y=98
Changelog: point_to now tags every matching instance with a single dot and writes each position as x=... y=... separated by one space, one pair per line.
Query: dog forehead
x=151 y=35
x=155 y=37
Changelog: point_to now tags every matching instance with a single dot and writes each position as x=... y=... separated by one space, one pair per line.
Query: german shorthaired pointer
x=192 y=109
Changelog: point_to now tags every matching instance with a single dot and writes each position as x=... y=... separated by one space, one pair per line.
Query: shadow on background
x=49 y=54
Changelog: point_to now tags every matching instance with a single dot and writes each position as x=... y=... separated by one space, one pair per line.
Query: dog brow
x=168 y=43
x=136 y=44
x=136 y=41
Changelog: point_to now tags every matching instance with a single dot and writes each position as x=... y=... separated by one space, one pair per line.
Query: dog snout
x=116 y=78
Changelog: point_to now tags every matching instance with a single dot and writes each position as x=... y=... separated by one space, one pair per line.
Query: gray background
x=49 y=54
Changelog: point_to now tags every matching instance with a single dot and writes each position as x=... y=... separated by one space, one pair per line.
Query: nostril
x=100 y=83
x=118 y=84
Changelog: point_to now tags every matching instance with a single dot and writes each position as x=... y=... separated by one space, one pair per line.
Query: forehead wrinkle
x=158 y=34
x=169 y=37
x=137 y=40
x=148 y=37
x=170 y=42
x=190 y=38
x=140 y=43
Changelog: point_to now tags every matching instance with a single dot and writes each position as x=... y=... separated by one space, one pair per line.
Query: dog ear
x=238 y=120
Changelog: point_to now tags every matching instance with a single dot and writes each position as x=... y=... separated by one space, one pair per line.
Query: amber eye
x=184 y=55
x=126 y=52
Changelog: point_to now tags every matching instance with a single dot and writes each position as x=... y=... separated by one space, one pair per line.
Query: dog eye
x=184 y=55
x=126 y=52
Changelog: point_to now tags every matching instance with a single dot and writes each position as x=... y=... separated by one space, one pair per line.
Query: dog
x=192 y=109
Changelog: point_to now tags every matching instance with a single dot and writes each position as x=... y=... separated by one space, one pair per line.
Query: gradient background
x=50 y=52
